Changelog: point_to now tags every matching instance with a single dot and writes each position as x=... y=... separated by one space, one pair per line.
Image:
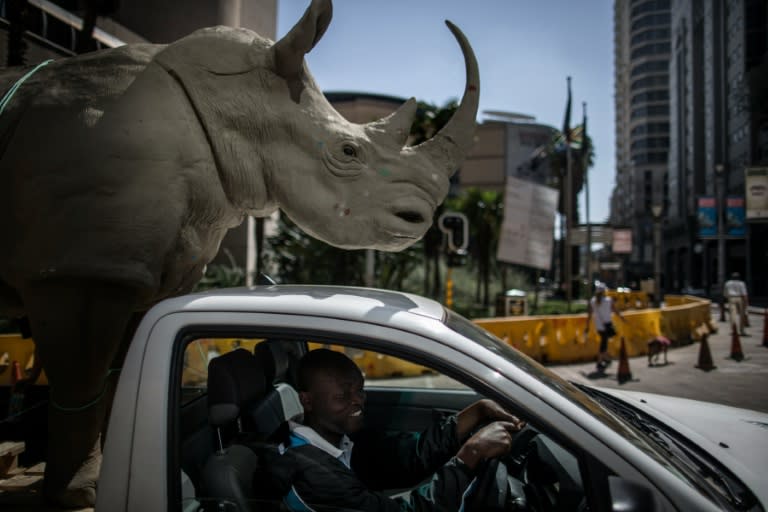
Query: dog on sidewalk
x=656 y=348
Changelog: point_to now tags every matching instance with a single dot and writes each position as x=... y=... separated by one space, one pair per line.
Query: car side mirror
x=627 y=496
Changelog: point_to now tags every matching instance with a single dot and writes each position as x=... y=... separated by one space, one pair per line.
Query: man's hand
x=489 y=442
x=480 y=412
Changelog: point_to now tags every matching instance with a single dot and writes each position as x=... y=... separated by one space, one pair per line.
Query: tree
x=485 y=211
x=300 y=258
x=428 y=121
x=222 y=276
x=555 y=152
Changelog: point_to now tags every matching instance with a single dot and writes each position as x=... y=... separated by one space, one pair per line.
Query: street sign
x=599 y=234
x=756 y=184
x=622 y=241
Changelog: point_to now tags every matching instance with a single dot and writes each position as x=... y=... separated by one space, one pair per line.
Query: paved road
x=740 y=384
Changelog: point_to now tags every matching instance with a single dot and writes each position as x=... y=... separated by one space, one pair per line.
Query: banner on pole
x=527 y=232
x=735 y=223
x=707 y=217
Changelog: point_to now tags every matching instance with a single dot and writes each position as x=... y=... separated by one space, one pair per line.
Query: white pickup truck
x=586 y=449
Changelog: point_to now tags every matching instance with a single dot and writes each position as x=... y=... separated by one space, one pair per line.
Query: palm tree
x=582 y=155
x=428 y=121
x=485 y=211
x=555 y=152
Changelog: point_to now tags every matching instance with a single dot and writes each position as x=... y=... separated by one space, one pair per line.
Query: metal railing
x=48 y=11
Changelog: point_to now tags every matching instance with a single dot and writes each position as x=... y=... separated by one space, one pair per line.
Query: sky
x=525 y=49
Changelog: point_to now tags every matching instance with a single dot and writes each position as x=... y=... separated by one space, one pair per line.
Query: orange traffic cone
x=623 y=374
x=705 y=356
x=736 y=353
x=765 y=329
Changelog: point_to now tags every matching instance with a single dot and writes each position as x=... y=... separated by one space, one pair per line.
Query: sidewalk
x=739 y=384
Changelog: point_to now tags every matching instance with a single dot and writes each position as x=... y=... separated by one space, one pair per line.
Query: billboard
x=622 y=241
x=756 y=190
x=707 y=217
x=527 y=232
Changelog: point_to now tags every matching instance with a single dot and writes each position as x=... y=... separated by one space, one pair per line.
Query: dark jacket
x=310 y=479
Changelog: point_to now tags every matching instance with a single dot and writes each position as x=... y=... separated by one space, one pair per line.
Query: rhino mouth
x=411 y=216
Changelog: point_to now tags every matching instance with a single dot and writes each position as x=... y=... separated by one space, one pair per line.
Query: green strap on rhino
x=8 y=95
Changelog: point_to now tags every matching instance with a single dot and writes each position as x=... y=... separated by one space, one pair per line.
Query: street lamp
x=657 y=210
x=720 y=193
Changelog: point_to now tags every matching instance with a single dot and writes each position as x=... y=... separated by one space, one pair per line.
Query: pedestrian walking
x=735 y=292
x=600 y=312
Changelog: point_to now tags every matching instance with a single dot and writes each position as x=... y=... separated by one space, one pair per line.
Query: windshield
x=632 y=431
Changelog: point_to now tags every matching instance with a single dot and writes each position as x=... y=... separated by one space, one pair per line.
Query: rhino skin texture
x=122 y=169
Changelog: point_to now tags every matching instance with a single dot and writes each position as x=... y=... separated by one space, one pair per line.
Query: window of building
x=650 y=20
x=651 y=143
x=643 y=158
x=650 y=6
x=650 y=67
x=651 y=49
x=651 y=110
x=651 y=81
x=648 y=96
x=650 y=35
x=650 y=128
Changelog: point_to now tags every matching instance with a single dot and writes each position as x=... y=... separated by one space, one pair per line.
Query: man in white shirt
x=324 y=464
x=735 y=292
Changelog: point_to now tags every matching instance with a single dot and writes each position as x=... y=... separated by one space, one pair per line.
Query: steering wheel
x=515 y=458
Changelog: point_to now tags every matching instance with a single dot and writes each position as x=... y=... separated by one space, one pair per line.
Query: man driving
x=328 y=461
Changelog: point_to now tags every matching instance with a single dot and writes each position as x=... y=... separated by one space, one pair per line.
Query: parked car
x=585 y=449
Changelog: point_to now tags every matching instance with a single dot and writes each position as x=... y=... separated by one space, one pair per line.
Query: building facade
x=641 y=57
x=718 y=127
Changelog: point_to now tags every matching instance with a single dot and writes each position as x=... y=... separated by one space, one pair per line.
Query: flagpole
x=585 y=162
x=568 y=205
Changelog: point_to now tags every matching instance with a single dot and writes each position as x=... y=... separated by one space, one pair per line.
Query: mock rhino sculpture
x=121 y=170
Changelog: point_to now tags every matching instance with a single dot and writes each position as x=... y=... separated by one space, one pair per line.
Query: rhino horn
x=448 y=147
x=398 y=124
x=289 y=51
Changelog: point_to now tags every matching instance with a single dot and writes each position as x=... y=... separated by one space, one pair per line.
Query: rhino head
x=351 y=185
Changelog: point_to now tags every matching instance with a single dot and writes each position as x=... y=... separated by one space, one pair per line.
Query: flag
x=567 y=120
x=584 y=139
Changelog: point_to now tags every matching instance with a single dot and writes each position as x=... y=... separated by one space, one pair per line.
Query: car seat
x=245 y=409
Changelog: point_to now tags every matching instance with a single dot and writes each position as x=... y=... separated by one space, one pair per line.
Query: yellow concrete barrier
x=15 y=348
x=562 y=338
x=375 y=365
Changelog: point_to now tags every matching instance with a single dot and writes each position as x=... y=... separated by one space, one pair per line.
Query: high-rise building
x=719 y=122
x=641 y=54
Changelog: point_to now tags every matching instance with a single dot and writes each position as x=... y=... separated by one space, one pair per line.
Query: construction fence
x=566 y=339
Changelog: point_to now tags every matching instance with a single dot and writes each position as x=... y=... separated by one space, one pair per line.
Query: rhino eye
x=349 y=150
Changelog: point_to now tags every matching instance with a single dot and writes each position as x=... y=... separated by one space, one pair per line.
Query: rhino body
x=123 y=169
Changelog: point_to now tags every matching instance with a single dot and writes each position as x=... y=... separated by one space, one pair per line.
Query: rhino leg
x=78 y=327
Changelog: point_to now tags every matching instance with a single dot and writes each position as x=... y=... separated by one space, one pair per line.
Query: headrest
x=279 y=358
x=235 y=380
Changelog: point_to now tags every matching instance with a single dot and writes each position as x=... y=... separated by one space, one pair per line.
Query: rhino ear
x=289 y=51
